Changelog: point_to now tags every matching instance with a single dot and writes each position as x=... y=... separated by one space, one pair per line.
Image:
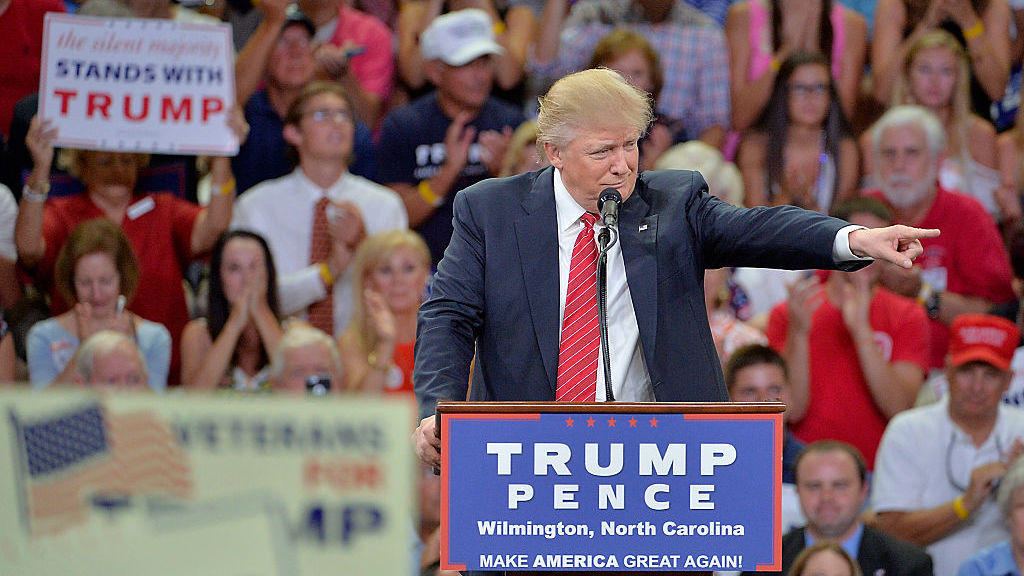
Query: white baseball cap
x=459 y=37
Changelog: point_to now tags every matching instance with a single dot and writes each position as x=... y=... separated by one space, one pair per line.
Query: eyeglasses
x=325 y=114
x=819 y=89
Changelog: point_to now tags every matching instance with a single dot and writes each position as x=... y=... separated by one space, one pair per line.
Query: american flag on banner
x=70 y=457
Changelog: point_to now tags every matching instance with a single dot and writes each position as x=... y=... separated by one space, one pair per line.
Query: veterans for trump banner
x=611 y=491
x=144 y=484
x=138 y=85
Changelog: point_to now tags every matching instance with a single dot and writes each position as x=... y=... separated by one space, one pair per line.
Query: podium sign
x=633 y=487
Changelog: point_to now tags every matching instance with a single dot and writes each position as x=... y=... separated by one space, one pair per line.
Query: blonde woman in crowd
x=391 y=273
x=935 y=74
x=522 y=154
x=981 y=26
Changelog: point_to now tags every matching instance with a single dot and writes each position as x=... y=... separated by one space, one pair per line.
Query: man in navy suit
x=502 y=289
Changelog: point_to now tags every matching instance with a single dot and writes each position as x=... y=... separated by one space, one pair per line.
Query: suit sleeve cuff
x=841 y=247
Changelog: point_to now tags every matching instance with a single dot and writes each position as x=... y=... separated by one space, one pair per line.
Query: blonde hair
x=373 y=252
x=101 y=344
x=593 y=97
x=299 y=335
x=960 y=104
x=524 y=137
x=723 y=177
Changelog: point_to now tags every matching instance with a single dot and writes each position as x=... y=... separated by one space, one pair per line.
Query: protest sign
x=176 y=484
x=138 y=85
x=611 y=491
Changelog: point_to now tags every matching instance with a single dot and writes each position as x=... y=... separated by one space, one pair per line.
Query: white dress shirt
x=281 y=210
x=631 y=381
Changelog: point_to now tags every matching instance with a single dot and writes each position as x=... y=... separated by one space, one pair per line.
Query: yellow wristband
x=325 y=274
x=974 y=31
x=499 y=28
x=775 y=64
x=427 y=193
x=227 y=187
x=958 y=507
x=925 y=293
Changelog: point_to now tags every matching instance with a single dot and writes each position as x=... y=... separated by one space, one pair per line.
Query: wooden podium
x=610 y=487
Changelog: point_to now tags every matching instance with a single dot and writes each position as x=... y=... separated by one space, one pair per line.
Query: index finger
x=908 y=232
x=460 y=120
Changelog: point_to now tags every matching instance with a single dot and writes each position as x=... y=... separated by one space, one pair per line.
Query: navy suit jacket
x=496 y=289
x=879 y=554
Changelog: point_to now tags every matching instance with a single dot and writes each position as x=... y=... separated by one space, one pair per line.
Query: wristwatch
x=33 y=195
x=932 y=304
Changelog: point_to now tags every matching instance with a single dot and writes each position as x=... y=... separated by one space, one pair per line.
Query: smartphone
x=318 y=384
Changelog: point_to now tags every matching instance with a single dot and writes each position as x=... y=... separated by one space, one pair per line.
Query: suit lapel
x=638 y=233
x=537 y=240
x=868 y=553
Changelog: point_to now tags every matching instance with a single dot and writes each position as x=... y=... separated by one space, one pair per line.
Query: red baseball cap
x=982 y=338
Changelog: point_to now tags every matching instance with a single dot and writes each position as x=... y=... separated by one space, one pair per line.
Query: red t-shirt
x=159 y=229
x=20 y=53
x=840 y=405
x=403 y=360
x=968 y=258
x=374 y=68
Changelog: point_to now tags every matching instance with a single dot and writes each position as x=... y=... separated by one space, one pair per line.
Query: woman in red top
x=391 y=273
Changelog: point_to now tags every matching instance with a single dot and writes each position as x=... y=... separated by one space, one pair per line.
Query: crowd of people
x=300 y=263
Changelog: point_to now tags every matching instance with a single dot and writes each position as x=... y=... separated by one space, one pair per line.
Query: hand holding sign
x=39 y=141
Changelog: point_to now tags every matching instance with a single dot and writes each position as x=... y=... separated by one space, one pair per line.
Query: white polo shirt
x=925 y=460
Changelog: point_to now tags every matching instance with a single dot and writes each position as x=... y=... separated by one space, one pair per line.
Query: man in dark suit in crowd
x=832 y=485
x=516 y=284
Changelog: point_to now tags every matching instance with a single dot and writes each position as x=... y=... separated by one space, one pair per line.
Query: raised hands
x=346 y=228
x=804 y=298
x=379 y=316
x=90 y=320
x=457 y=141
x=493 y=146
x=39 y=141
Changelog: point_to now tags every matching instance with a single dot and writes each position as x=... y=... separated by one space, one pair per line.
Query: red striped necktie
x=581 y=338
x=321 y=314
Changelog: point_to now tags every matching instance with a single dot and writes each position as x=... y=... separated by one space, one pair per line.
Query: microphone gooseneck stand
x=605 y=240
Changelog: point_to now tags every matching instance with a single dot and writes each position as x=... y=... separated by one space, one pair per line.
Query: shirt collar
x=567 y=210
x=850 y=545
x=315 y=191
x=1002 y=560
x=998 y=429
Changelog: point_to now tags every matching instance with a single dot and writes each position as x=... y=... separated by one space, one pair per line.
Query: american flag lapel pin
x=643 y=227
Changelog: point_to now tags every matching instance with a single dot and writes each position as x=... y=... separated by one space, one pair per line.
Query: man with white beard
x=966 y=269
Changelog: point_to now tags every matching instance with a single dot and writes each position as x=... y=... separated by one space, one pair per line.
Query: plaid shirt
x=693 y=52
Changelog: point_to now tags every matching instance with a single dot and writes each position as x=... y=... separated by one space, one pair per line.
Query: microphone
x=608 y=204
